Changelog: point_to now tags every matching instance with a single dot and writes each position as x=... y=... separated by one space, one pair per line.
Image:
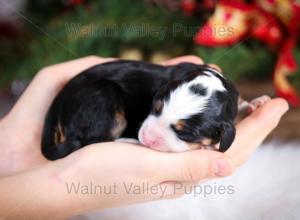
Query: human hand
x=252 y=130
x=109 y=163
x=21 y=129
x=165 y=170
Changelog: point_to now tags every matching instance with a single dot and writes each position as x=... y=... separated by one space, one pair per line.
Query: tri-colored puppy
x=168 y=108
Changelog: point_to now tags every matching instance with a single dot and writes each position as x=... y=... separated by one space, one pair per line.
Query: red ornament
x=274 y=22
x=189 y=7
x=286 y=65
x=266 y=28
x=75 y=2
x=228 y=25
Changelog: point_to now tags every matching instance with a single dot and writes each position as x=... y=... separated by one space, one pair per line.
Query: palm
x=21 y=129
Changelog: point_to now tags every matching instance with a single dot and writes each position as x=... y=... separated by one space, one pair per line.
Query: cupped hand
x=21 y=129
x=252 y=130
x=109 y=163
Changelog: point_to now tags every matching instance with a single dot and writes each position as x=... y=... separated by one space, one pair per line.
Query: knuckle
x=193 y=173
x=151 y=169
x=197 y=169
x=45 y=71
x=265 y=120
x=194 y=58
x=45 y=75
x=216 y=67
x=93 y=58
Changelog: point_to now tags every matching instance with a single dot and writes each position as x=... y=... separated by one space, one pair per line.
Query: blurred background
x=253 y=41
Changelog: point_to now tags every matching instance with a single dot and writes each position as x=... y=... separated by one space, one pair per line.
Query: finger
x=253 y=129
x=67 y=70
x=56 y=76
x=193 y=166
x=182 y=59
x=216 y=67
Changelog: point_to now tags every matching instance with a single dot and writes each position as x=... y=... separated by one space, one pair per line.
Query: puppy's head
x=194 y=110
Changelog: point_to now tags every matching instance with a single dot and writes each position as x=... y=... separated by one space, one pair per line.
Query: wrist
x=68 y=175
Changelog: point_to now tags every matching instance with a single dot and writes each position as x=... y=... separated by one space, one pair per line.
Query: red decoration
x=266 y=28
x=76 y=2
x=228 y=25
x=273 y=22
x=8 y=30
x=189 y=6
x=286 y=65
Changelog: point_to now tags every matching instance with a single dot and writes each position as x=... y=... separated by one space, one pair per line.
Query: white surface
x=267 y=187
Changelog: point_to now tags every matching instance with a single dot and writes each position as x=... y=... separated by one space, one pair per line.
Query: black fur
x=85 y=111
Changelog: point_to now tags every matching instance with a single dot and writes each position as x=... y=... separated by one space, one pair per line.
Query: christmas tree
x=62 y=30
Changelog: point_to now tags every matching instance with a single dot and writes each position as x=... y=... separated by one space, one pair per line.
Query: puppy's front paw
x=257 y=102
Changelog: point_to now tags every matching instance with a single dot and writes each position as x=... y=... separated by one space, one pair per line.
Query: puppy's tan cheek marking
x=205 y=144
x=59 y=136
x=119 y=126
x=194 y=146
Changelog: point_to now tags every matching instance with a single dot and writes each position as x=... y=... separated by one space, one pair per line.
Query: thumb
x=252 y=130
x=194 y=166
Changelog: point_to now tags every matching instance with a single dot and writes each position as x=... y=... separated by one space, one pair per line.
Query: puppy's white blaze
x=183 y=103
x=212 y=82
x=170 y=142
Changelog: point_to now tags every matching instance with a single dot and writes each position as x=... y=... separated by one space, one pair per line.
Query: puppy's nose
x=151 y=138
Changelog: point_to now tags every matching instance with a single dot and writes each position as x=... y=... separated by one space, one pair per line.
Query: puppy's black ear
x=227 y=135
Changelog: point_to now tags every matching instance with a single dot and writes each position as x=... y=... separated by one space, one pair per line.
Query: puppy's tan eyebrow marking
x=179 y=125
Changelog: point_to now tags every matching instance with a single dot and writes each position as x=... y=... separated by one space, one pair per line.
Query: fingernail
x=223 y=167
x=283 y=108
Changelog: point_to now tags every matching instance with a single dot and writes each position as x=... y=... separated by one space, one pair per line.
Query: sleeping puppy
x=168 y=108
